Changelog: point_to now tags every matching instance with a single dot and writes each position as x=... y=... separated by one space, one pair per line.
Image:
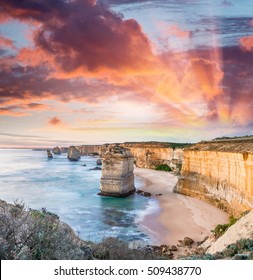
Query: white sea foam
x=152 y=207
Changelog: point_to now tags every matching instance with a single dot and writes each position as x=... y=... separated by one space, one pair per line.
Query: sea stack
x=73 y=153
x=49 y=154
x=117 y=172
x=56 y=150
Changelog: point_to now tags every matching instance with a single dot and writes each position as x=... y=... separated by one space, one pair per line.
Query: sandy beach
x=179 y=215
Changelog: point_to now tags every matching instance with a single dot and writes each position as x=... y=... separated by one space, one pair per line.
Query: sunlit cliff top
x=233 y=145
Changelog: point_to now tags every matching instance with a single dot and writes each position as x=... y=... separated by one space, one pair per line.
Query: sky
x=105 y=71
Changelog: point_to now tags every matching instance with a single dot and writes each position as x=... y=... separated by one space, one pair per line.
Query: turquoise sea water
x=70 y=189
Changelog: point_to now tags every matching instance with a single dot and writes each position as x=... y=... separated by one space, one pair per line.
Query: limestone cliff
x=150 y=155
x=146 y=154
x=117 y=172
x=243 y=229
x=89 y=149
x=220 y=172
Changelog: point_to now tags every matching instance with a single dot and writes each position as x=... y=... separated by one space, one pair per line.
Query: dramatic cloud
x=32 y=83
x=82 y=54
x=81 y=36
x=247 y=43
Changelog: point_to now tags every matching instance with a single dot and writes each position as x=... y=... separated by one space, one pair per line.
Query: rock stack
x=73 y=153
x=49 y=154
x=56 y=150
x=117 y=172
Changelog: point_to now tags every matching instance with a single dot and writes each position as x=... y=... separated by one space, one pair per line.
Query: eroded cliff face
x=89 y=149
x=151 y=155
x=221 y=173
x=117 y=172
x=146 y=154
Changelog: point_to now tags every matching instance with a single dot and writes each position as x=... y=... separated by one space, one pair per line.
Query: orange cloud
x=11 y=113
x=176 y=31
x=5 y=42
x=55 y=121
x=204 y=77
x=172 y=30
x=15 y=109
x=247 y=43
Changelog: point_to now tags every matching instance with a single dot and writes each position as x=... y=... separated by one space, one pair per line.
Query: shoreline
x=179 y=216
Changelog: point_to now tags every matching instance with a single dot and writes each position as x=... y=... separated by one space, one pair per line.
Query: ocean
x=69 y=189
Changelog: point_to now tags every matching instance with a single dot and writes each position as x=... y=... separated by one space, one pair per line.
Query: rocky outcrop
x=150 y=155
x=243 y=229
x=117 y=172
x=99 y=161
x=49 y=154
x=56 y=150
x=89 y=149
x=96 y=168
x=73 y=153
x=221 y=173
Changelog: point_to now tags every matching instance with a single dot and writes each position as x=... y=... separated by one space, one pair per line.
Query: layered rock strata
x=221 y=173
x=152 y=154
x=117 y=172
x=146 y=154
x=89 y=149
x=73 y=153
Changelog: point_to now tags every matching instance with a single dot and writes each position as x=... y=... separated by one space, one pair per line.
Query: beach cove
x=179 y=216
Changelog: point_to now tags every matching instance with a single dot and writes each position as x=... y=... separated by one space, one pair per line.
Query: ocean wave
x=151 y=208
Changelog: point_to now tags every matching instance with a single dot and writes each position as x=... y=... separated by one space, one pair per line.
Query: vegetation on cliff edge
x=241 y=250
x=163 y=167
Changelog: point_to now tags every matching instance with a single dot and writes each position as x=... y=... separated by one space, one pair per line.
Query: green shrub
x=34 y=235
x=221 y=229
x=163 y=167
x=115 y=249
x=241 y=246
